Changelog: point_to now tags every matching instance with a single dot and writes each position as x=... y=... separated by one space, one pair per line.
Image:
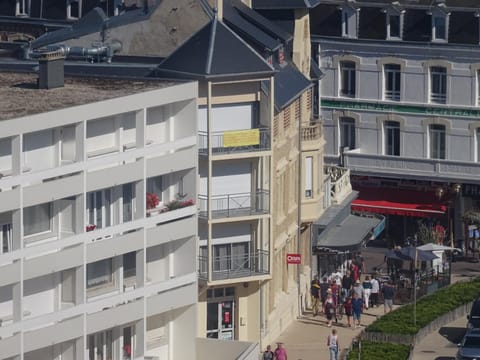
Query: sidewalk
x=306 y=337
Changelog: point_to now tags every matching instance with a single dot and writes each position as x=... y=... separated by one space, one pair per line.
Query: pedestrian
x=337 y=277
x=358 y=289
x=357 y=307
x=315 y=294
x=360 y=263
x=375 y=291
x=347 y=306
x=268 y=353
x=367 y=290
x=354 y=269
x=347 y=283
x=388 y=294
x=333 y=345
x=280 y=352
x=330 y=308
x=324 y=286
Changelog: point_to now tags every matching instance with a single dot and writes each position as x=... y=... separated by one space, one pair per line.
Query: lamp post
x=415 y=287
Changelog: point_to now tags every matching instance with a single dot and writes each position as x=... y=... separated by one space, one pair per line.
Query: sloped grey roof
x=215 y=51
x=284 y=4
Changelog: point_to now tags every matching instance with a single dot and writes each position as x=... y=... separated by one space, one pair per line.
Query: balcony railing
x=235 y=266
x=236 y=141
x=340 y=185
x=234 y=205
x=312 y=131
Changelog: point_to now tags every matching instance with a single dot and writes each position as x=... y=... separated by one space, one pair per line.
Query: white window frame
x=477 y=144
x=388 y=126
x=92 y=213
x=438 y=97
x=389 y=15
x=308 y=177
x=393 y=95
x=352 y=129
x=108 y=283
x=50 y=229
x=477 y=87
x=345 y=69
x=437 y=14
x=435 y=135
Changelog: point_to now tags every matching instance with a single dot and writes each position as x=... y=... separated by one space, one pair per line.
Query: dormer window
x=349 y=21
x=394 y=18
x=439 y=24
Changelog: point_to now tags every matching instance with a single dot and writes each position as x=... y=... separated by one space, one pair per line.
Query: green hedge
x=429 y=308
x=380 y=351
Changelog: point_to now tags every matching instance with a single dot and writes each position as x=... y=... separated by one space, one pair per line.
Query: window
x=439 y=28
x=392 y=73
x=477 y=134
x=347 y=78
x=438 y=84
x=392 y=138
x=99 y=273
x=437 y=141
x=478 y=87
x=345 y=27
x=308 y=176
x=129 y=264
x=37 y=219
x=231 y=256
x=393 y=26
x=99 y=208
x=347 y=133
x=6 y=241
x=128 y=201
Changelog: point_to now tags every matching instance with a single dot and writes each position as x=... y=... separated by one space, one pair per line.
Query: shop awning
x=349 y=235
x=390 y=201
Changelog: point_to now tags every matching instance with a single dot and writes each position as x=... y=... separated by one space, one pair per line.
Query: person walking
x=330 y=308
x=375 y=291
x=315 y=294
x=358 y=289
x=347 y=283
x=367 y=290
x=324 y=286
x=333 y=345
x=388 y=294
x=357 y=308
x=280 y=352
x=268 y=353
x=347 y=306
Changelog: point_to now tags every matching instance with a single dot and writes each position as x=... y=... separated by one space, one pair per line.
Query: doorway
x=220 y=319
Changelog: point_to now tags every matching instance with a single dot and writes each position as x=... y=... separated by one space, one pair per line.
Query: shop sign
x=294 y=258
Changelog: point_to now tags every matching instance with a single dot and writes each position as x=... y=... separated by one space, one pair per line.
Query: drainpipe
x=299 y=204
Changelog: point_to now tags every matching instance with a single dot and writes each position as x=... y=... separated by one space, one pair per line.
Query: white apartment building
x=92 y=266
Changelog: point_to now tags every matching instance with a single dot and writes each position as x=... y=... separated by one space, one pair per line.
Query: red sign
x=294 y=258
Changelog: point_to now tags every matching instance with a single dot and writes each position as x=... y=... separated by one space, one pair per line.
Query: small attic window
x=269 y=59
x=281 y=55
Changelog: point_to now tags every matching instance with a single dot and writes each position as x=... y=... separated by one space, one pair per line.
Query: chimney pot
x=51 y=70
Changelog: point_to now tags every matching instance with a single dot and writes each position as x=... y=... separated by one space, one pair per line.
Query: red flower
x=90 y=227
x=152 y=201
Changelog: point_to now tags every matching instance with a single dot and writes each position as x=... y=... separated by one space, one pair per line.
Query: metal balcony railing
x=312 y=131
x=392 y=95
x=340 y=185
x=235 y=266
x=234 y=205
x=438 y=98
x=236 y=141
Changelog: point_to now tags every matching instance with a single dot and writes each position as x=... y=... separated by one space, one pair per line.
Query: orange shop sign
x=294 y=258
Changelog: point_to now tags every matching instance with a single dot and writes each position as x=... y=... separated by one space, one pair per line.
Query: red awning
x=398 y=202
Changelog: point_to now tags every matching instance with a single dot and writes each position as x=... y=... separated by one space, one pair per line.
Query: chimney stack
x=51 y=70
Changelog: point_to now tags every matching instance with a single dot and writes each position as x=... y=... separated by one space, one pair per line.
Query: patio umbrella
x=435 y=247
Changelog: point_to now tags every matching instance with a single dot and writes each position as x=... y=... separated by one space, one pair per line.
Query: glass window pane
x=37 y=219
x=99 y=272
x=394 y=26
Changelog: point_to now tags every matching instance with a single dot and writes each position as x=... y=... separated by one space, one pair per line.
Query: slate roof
x=215 y=51
x=284 y=4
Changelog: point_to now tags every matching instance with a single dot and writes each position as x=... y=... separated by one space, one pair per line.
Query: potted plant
x=152 y=201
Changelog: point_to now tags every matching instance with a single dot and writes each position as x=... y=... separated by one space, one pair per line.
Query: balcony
x=312 y=132
x=235 y=205
x=237 y=141
x=235 y=266
x=340 y=186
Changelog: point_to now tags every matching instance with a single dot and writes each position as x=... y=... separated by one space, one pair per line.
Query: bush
x=380 y=351
x=429 y=308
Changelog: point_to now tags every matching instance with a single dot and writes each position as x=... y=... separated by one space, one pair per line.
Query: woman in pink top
x=280 y=352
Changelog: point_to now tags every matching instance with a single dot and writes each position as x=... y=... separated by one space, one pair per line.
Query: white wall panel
x=39 y=295
x=5 y=154
x=39 y=152
x=224 y=118
x=101 y=134
x=228 y=178
x=6 y=302
x=230 y=233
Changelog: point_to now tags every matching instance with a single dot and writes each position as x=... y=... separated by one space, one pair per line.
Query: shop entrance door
x=220 y=320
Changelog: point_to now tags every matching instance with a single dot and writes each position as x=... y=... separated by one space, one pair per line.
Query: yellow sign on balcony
x=241 y=138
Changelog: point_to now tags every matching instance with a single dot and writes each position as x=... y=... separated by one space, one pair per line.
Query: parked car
x=469 y=348
x=474 y=316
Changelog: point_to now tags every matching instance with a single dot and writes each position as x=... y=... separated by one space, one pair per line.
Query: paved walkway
x=306 y=338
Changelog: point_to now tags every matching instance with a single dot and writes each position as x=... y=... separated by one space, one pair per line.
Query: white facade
x=89 y=271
